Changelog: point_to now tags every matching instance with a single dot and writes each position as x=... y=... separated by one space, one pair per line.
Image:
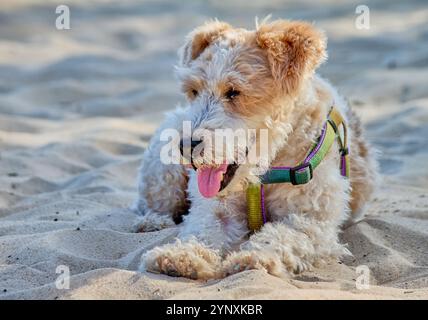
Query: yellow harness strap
x=256 y=217
x=336 y=119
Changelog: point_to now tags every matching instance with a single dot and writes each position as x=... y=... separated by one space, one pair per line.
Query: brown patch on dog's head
x=294 y=49
x=200 y=38
x=227 y=64
x=261 y=66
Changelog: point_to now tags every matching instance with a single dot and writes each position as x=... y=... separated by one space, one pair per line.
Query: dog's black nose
x=193 y=144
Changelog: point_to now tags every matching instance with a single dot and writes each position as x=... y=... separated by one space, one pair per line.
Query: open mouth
x=212 y=180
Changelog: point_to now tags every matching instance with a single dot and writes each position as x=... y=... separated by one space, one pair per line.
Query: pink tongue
x=209 y=180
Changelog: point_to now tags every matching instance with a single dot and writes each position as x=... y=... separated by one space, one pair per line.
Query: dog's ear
x=200 y=38
x=294 y=50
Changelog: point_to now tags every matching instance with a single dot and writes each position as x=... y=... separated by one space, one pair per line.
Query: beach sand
x=77 y=108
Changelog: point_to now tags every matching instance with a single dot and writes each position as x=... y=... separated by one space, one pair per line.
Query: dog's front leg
x=193 y=255
x=207 y=233
x=161 y=186
x=290 y=246
x=189 y=258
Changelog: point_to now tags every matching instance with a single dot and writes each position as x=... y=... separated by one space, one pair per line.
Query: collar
x=303 y=172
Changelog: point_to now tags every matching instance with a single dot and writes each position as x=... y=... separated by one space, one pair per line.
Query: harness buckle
x=344 y=151
x=298 y=176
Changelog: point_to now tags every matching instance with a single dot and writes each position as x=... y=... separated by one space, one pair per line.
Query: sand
x=77 y=108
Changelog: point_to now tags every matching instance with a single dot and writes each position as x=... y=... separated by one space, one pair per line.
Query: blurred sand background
x=77 y=108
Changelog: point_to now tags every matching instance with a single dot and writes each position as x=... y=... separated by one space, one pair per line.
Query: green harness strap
x=303 y=172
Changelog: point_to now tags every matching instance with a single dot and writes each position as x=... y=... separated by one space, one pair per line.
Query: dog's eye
x=232 y=93
x=195 y=92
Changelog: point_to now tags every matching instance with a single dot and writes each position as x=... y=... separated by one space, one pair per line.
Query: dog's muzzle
x=188 y=155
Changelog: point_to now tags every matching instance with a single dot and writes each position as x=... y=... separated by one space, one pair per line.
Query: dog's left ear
x=294 y=50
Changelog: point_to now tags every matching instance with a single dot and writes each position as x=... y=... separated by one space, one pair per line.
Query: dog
x=262 y=79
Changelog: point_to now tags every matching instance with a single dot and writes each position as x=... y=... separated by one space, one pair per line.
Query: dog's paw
x=190 y=260
x=153 y=222
x=252 y=260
